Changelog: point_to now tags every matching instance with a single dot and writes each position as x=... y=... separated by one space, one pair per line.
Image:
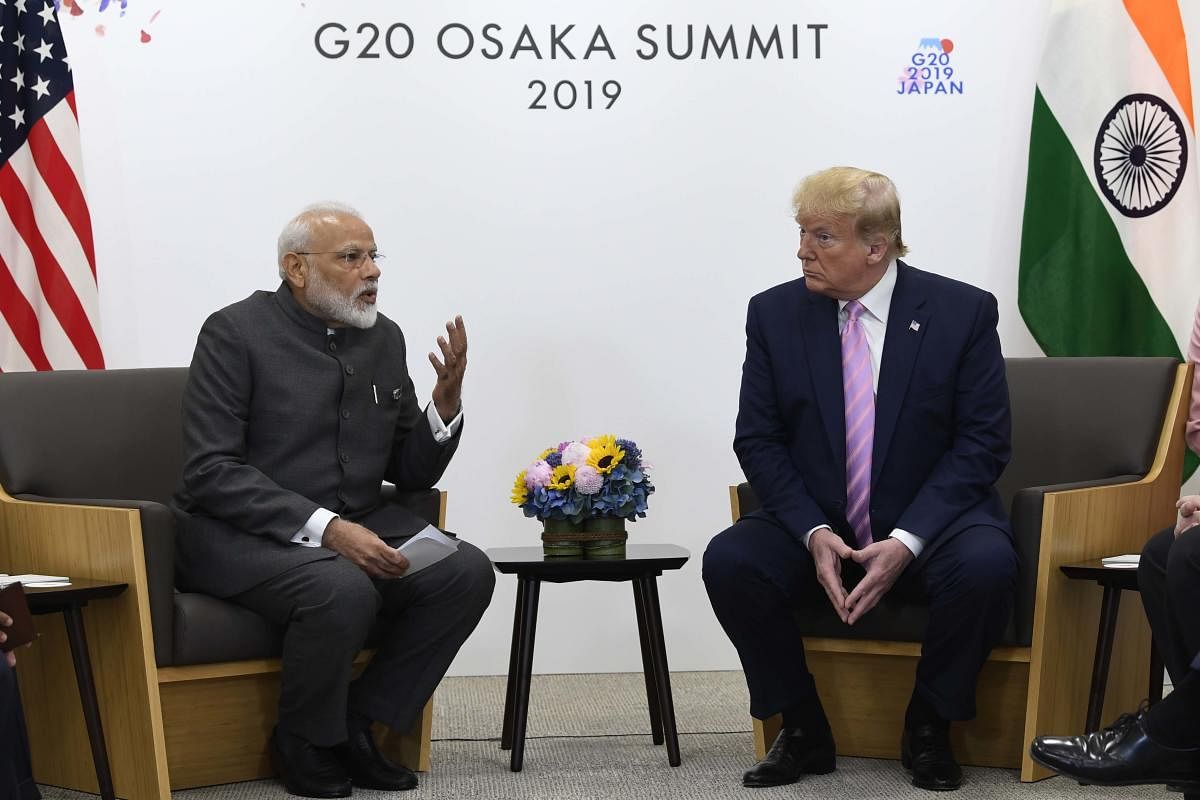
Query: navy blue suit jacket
x=942 y=425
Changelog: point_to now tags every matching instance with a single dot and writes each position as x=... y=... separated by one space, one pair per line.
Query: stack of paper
x=35 y=581
x=1129 y=561
x=426 y=549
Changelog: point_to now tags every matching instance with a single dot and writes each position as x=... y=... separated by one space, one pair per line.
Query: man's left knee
x=474 y=575
x=988 y=561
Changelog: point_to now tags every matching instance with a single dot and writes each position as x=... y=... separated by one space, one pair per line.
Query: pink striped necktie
x=860 y=422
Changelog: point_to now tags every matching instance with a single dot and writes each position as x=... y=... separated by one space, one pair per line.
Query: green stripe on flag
x=1077 y=290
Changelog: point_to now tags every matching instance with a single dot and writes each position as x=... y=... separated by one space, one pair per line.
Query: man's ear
x=877 y=252
x=295 y=270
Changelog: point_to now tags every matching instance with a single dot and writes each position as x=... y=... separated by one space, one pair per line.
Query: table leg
x=524 y=671
x=1109 y=607
x=87 y=694
x=1156 y=674
x=639 y=603
x=662 y=676
x=510 y=693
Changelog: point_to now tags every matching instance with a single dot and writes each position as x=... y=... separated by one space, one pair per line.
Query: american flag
x=48 y=297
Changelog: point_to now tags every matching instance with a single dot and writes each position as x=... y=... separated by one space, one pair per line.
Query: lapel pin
x=395 y=394
x=914 y=326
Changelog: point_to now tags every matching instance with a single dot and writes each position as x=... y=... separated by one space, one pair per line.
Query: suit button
x=345 y=459
x=332 y=346
x=345 y=413
x=349 y=369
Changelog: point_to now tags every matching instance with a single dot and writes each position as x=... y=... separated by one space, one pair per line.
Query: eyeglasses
x=349 y=259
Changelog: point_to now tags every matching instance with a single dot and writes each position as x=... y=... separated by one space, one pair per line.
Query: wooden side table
x=1114 y=580
x=70 y=600
x=642 y=565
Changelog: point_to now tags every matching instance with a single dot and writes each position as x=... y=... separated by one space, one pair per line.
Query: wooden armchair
x=188 y=684
x=1097 y=458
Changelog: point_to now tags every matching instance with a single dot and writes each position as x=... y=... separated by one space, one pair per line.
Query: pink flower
x=588 y=480
x=537 y=475
x=576 y=453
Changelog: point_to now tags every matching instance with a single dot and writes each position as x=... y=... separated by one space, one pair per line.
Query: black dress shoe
x=307 y=770
x=1122 y=754
x=794 y=753
x=925 y=750
x=368 y=768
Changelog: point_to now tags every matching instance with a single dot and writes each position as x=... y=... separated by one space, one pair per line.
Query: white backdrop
x=602 y=259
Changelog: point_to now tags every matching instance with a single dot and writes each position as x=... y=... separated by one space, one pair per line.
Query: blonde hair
x=869 y=198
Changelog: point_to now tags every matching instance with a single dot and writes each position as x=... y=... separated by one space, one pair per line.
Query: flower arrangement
x=588 y=478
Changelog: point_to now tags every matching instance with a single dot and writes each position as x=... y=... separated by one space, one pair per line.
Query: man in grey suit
x=298 y=406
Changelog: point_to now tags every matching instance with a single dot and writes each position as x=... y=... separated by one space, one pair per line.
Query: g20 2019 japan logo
x=1140 y=155
x=930 y=69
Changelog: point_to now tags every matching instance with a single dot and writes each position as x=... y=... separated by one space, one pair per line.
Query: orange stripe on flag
x=1161 y=26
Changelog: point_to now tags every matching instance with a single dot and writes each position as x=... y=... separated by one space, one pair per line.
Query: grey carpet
x=586 y=739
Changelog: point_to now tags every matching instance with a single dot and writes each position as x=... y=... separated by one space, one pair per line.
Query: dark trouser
x=329 y=608
x=16 y=774
x=758 y=578
x=1169 y=581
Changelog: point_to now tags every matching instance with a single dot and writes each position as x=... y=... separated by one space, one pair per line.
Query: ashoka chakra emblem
x=1141 y=155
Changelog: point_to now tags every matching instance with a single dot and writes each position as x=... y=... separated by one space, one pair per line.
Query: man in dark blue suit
x=873 y=423
x=16 y=774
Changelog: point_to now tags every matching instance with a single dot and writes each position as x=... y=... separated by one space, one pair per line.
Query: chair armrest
x=428 y=504
x=99 y=542
x=158 y=544
x=1026 y=517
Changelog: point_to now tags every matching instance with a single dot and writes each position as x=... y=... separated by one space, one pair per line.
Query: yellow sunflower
x=545 y=453
x=520 y=492
x=562 y=478
x=605 y=454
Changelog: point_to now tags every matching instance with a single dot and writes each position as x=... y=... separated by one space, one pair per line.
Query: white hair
x=296 y=235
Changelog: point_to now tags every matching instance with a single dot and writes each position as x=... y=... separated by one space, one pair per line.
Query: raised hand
x=447 y=392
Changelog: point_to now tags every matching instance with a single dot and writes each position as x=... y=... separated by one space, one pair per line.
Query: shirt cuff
x=804 y=539
x=314 y=530
x=913 y=542
x=440 y=430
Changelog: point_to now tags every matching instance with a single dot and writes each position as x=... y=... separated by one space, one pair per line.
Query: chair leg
x=1109 y=607
x=652 y=701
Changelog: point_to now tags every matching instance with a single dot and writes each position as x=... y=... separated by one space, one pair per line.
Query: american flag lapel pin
x=914 y=326
x=395 y=394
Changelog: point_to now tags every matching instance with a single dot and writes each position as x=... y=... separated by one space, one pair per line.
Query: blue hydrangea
x=554 y=459
x=633 y=455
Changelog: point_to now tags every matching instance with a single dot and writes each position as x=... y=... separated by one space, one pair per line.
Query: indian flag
x=1110 y=247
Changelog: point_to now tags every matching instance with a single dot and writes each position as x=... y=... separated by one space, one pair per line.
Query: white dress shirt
x=876 y=304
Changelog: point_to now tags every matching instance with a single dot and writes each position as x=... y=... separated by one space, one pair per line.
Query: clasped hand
x=1188 y=505
x=361 y=547
x=883 y=562
x=5 y=622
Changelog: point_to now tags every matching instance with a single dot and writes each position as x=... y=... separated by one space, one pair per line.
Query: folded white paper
x=35 y=581
x=1130 y=558
x=426 y=549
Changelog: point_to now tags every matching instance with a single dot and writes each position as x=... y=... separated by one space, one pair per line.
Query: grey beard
x=336 y=307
